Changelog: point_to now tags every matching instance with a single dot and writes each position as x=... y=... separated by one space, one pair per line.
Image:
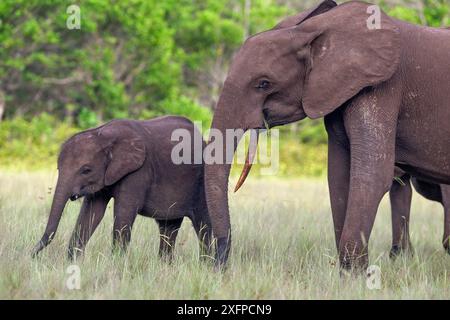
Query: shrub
x=32 y=144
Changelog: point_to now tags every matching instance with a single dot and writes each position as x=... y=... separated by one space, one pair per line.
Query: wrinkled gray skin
x=384 y=95
x=129 y=161
x=400 y=197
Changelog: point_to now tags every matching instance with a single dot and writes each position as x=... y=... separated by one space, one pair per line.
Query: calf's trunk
x=59 y=202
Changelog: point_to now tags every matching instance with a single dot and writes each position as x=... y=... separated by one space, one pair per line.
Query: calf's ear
x=125 y=148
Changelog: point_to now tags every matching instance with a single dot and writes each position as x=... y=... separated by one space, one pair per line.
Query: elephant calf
x=400 y=197
x=129 y=161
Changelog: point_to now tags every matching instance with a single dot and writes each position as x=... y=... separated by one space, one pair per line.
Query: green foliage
x=434 y=13
x=406 y=14
x=311 y=132
x=32 y=144
x=437 y=13
x=302 y=159
x=122 y=61
x=87 y=119
x=129 y=59
x=186 y=107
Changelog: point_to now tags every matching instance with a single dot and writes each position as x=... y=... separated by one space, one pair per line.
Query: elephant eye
x=86 y=171
x=263 y=85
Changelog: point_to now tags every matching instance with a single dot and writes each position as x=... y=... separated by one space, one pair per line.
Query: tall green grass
x=283 y=248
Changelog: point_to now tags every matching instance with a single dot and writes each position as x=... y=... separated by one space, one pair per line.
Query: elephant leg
x=400 y=198
x=365 y=195
x=168 y=231
x=338 y=171
x=91 y=213
x=202 y=226
x=124 y=215
x=370 y=121
x=445 y=189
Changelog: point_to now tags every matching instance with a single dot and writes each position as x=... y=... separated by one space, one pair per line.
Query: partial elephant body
x=131 y=162
x=171 y=189
x=384 y=93
x=400 y=196
x=423 y=148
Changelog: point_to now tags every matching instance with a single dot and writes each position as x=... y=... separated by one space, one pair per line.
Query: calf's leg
x=91 y=213
x=400 y=196
x=168 y=230
x=445 y=189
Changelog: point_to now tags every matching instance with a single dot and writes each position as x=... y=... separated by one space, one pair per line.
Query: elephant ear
x=345 y=54
x=125 y=149
x=302 y=16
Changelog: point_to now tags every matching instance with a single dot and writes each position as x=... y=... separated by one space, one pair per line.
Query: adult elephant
x=384 y=93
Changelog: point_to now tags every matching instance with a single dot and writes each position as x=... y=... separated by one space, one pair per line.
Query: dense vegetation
x=138 y=59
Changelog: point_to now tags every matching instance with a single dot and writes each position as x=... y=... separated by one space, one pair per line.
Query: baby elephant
x=131 y=162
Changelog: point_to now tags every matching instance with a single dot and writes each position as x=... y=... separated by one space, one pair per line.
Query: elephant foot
x=120 y=246
x=118 y=250
x=74 y=253
x=37 y=248
x=206 y=256
x=446 y=244
x=45 y=241
x=398 y=250
x=166 y=257
x=353 y=264
x=222 y=252
x=352 y=269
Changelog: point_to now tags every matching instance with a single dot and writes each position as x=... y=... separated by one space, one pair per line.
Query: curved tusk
x=251 y=152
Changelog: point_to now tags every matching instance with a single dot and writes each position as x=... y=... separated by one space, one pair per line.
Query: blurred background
x=140 y=59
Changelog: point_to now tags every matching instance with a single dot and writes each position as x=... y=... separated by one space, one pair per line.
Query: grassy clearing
x=283 y=249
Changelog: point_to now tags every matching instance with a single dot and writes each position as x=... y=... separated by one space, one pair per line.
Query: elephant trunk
x=228 y=116
x=59 y=202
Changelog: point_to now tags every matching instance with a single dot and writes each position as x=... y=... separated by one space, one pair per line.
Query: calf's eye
x=263 y=85
x=86 y=171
